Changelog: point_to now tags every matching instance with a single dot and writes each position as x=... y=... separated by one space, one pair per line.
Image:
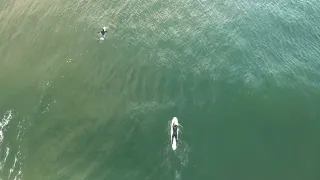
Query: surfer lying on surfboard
x=103 y=31
x=175 y=133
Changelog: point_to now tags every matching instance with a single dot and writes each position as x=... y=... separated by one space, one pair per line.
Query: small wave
x=11 y=156
x=4 y=122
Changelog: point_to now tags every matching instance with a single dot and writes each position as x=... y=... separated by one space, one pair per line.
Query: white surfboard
x=174 y=140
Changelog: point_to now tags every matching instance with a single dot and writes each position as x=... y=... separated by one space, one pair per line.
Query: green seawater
x=242 y=77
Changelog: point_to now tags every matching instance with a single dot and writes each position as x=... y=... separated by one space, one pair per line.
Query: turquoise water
x=242 y=77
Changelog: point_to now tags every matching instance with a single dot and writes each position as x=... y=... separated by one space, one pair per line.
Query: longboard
x=173 y=140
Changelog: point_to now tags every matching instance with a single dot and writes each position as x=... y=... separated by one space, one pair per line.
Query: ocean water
x=242 y=77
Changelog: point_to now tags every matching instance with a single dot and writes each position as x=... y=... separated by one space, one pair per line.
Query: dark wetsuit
x=175 y=132
x=103 y=32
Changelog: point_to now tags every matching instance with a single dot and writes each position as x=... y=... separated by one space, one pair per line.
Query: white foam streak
x=14 y=165
x=5 y=159
x=15 y=172
x=4 y=122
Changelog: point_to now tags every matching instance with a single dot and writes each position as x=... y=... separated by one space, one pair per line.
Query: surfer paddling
x=175 y=133
x=103 y=31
